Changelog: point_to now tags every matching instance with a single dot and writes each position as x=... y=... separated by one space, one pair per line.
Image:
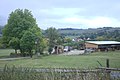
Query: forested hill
x=105 y=33
x=1 y=27
x=93 y=33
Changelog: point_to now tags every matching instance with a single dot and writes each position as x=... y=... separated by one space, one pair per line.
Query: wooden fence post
x=107 y=63
x=108 y=72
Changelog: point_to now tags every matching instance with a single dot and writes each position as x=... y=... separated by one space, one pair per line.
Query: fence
x=13 y=73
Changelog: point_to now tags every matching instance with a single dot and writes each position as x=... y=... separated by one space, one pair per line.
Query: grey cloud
x=2 y=20
x=107 y=8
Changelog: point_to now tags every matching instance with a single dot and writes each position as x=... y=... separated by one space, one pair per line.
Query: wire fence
x=20 y=73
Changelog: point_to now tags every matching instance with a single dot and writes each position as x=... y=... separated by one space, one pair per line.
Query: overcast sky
x=66 y=13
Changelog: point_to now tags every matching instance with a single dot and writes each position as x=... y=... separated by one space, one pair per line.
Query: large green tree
x=21 y=25
x=19 y=21
x=52 y=35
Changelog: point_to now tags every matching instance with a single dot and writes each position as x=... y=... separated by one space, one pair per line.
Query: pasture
x=61 y=61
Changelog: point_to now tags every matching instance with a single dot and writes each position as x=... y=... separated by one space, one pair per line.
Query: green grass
x=81 y=61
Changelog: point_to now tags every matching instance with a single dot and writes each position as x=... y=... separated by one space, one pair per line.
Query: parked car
x=66 y=49
x=89 y=50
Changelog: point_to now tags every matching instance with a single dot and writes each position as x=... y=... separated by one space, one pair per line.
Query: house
x=102 y=45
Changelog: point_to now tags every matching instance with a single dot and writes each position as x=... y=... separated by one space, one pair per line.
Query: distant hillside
x=75 y=32
x=69 y=29
x=91 y=32
x=105 y=33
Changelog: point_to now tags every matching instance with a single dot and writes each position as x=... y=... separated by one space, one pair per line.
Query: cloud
x=67 y=13
x=55 y=16
x=62 y=11
x=94 y=22
x=69 y=17
x=100 y=21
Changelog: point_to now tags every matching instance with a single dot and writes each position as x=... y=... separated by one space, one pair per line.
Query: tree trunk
x=30 y=52
x=15 y=51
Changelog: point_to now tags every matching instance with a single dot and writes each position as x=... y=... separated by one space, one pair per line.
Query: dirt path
x=14 y=58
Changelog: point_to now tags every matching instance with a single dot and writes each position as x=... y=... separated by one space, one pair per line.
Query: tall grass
x=14 y=73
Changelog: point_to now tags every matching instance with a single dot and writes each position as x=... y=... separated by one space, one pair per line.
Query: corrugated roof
x=103 y=42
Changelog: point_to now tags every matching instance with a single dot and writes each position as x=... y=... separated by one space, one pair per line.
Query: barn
x=102 y=45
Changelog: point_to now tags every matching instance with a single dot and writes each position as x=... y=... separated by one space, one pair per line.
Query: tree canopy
x=52 y=35
x=21 y=30
x=19 y=21
x=53 y=38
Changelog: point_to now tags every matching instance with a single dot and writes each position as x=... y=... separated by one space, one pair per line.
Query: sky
x=80 y=14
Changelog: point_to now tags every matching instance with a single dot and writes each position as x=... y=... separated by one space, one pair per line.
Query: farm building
x=102 y=45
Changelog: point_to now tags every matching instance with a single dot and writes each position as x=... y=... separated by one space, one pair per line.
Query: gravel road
x=73 y=52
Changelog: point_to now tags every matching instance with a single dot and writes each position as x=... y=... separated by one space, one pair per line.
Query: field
x=59 y=61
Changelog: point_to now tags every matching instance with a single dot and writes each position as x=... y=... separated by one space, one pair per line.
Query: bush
x=45 y=54
x=15 y=55
x=50 y=50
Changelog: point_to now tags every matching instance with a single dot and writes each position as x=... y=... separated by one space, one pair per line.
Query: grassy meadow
x=59 y=61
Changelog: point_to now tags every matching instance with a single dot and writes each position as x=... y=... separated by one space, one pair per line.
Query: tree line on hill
x=105 y=33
